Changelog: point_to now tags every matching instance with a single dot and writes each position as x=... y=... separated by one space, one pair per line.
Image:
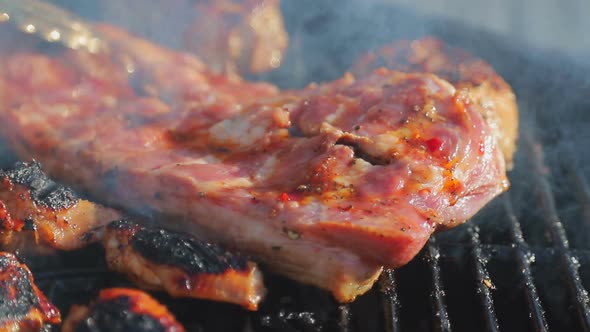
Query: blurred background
x=551 y=24
x=554 y=24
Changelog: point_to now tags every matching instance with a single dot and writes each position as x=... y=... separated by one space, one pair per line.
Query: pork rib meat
x=326 y=184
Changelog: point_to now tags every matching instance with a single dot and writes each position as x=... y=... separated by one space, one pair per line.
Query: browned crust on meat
x=487 y=89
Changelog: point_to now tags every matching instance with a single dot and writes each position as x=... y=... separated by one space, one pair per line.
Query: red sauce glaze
x=434 y=144
x=284 y=197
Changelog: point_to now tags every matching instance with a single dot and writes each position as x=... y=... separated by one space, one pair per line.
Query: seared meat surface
x=35 y=210
x=121 y=310
x=325 y=185
x=23 y=307
x=495 y=98
x=37 y=213
x=181 y=265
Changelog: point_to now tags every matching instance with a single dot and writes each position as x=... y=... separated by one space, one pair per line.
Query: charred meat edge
x=33 y=208
x=121 y=310
x=23 y=307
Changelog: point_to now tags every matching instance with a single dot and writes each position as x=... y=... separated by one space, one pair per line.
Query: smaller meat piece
x=181 y=265
x=23 y=307
x=121 y=310
x=35 y=210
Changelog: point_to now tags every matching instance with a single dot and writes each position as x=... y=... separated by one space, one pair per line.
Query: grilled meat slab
x=121 y=310
x=325 y=185
x=495 y=98
x=37 y=213
x=181 y=265
x=23 y=307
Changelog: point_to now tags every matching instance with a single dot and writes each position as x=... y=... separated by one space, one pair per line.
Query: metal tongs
x=52 y=24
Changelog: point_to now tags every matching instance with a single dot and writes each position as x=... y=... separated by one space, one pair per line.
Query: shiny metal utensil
x=52 y=24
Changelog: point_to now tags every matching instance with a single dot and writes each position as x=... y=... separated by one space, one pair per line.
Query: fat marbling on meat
x=326 y=185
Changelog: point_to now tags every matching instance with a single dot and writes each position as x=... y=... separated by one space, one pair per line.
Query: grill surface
x=522 y=264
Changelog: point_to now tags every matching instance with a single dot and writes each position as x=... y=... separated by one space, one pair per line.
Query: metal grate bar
x=524 y=258
x=390 y=301
x=442 y=322
x=558 y=235
x=344 y=318
x=484 y=283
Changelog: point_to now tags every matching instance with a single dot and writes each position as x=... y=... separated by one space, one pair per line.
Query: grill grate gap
x=70 y=273
x=581 y=188
x=524 y=258
x=569 y=262
x=51 y=290
x=483 y=280
x=577 y=181
x=441 y=315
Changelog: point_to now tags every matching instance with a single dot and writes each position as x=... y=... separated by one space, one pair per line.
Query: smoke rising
x=326 y=39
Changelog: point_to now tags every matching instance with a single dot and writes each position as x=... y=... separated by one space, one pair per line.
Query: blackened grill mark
x=124 y=225
x=43 y=190
x=59 y=197
x=180 y=250
x=16 y=291
x=116 y=315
